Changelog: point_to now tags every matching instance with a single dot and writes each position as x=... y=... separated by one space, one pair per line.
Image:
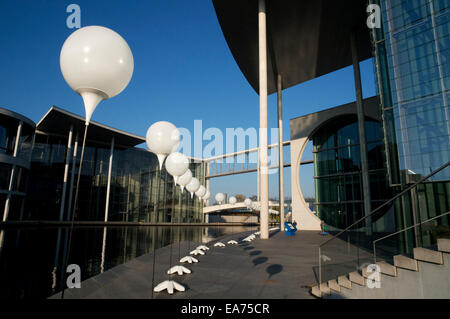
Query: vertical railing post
x=66 y=172
x=108 y=185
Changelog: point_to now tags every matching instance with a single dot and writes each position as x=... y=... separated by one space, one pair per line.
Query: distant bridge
x=240 y=205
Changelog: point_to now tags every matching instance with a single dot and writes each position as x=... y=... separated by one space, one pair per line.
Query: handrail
x=387 y=202
x=403 y=230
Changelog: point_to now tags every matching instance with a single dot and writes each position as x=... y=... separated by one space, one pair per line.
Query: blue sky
x=183 y=72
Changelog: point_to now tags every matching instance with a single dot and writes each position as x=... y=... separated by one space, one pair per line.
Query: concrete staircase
x=426 y=275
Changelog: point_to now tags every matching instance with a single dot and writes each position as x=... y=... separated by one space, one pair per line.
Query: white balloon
x=232 y=200
x=177 y=164
x=206 y=196
x=184 y=179
x=219 y=197
x=97 y=63
x=248 y=202
x=201 y=192
x=193 y=186
x=162 y=139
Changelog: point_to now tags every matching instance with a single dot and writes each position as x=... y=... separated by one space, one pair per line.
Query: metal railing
x=402 y=231
x=376 y=210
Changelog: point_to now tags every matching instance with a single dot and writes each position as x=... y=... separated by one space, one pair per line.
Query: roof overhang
x=58 y=122
x=306 y=39
x=305 y=126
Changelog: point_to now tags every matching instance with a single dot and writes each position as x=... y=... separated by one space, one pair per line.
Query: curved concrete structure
x=302 y=131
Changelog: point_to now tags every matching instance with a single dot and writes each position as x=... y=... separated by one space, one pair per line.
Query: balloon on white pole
x=206 y=196
x=162 y=139
x=97 y=63
x=184 y=179
x=220 y=197
x=232 y=200
x=193 y=186
x=200 y=192
x=177 y=164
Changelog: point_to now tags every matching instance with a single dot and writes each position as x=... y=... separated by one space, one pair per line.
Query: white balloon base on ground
x=170 y=285
x=219 y=244
x=197 y=252
x=232 y=242
x=188 y=259
x=180 y=270
x=202 y=247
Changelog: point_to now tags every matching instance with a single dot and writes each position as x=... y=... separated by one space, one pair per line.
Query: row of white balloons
x=163 y=138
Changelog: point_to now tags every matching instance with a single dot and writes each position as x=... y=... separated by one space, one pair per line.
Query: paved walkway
x=281 y=267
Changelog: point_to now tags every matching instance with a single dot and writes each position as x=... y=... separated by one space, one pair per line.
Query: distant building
x=44 y=179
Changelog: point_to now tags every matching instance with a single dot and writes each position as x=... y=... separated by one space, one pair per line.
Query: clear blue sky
x=183 y=71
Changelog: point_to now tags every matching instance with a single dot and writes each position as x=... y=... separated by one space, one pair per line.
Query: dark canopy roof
x=306 y=38
x=58 y=121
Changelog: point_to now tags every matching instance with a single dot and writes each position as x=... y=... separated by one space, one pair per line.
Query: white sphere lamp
x=184 y=179
x=232 y=200
x=220 y=197
x=200 y=192
x=177 y=164
x=193 y=186
x=97 y=63
x=162 y=139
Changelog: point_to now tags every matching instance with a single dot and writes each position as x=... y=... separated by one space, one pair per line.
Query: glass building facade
x=139 y=190
x=16 y=141
x=412 y=64
x=412 y=51
x=337 y=167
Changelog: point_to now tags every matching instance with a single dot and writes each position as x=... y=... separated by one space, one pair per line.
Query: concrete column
x=13 y=172
x=258 y=179
x=108 y=185
x=72 y=177
x=280 y=149
x=263 y=150
x=66 y=172
x=362 y=134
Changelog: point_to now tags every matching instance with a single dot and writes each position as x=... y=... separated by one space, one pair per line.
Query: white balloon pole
x=97 y=63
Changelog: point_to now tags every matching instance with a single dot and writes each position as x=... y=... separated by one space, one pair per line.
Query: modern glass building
x=337 y=167
x=16 y=141
x=412 y=57
x=119 y=181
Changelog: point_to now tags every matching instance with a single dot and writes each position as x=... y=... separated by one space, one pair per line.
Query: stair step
x=387 y=269
x=406 y=263
x=316 y=291
x=357 y=278
x=365 y=272
x=443 y=245
x=344 y=282
x=324 y=288
x=334 y=285
x=428 y=255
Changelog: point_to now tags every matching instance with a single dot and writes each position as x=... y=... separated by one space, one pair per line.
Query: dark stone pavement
x=281 y=267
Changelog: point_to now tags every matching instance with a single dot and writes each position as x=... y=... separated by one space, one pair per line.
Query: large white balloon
x=201 y=192
x=219 y=197
x=162 y=139
x=97 y=63
x=177 y=164
x=184 y=179
x=248 y=202
x=193 y=186
x=232 y=200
